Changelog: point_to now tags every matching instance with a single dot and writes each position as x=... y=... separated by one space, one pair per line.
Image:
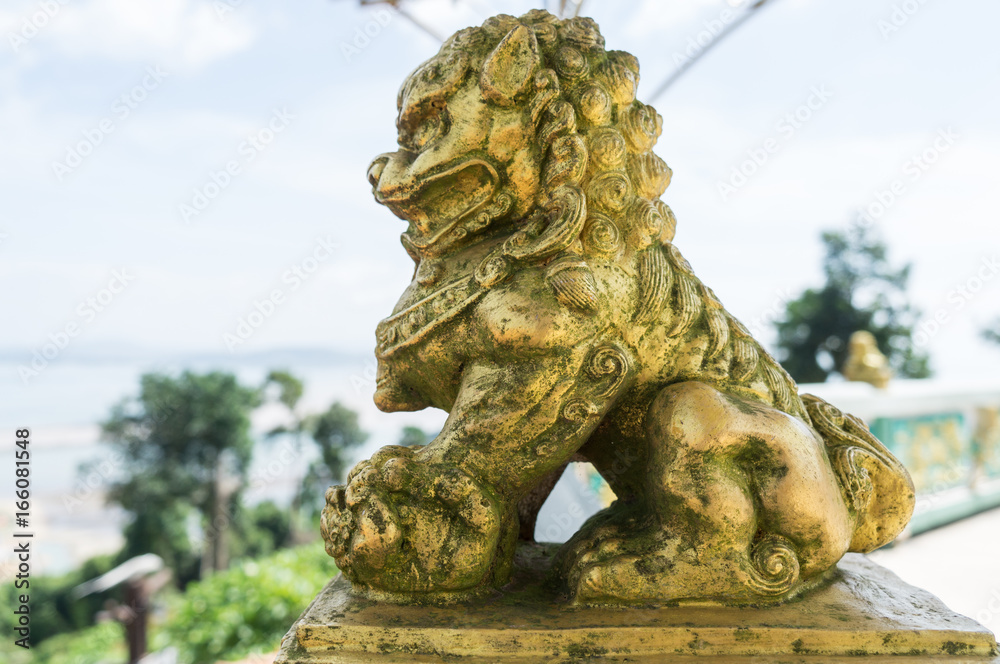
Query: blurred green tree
x=187 y=450
x=862 y=292
x=261 y=530
x=411 y=436
x=289 y=392
x=992 y=333
x=335 y=432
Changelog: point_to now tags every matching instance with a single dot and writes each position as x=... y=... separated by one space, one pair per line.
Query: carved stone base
x=865 y=614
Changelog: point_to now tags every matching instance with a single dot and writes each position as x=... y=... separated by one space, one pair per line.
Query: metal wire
x=677 y=73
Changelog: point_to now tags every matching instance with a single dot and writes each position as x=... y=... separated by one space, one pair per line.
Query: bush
x=100 y=644
x=229 y=615
x=247 y=608
x=54 y=609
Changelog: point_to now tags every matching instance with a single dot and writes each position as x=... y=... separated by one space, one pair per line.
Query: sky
x=170 y=167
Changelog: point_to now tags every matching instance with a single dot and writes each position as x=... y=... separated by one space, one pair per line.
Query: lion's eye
x=422 y=134
x=425 y=130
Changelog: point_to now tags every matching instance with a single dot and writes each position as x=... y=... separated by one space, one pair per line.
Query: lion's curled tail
x=878 y=488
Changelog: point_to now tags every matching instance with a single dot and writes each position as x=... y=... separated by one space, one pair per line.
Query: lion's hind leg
x=741 y=506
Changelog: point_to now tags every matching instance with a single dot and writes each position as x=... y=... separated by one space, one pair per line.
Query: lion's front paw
x=403 y=525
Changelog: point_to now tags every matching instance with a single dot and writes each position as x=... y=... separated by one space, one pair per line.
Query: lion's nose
x=376 y=168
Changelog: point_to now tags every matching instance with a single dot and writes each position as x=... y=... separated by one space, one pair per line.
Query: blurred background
x=193 y=268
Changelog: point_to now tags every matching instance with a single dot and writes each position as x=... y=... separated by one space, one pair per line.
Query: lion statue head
x=526 y=127
x=524 y=136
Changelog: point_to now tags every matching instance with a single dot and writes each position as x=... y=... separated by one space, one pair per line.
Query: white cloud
x=181 y=32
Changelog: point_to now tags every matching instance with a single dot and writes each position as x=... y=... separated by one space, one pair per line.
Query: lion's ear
x=510 y=67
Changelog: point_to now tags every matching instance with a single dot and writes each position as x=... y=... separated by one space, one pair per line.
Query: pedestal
x=864 y=614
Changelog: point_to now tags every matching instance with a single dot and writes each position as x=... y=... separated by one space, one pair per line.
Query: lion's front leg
x=442 y=521
x=402 y=525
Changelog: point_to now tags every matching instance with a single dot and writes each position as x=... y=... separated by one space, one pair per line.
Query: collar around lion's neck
x=551 y=231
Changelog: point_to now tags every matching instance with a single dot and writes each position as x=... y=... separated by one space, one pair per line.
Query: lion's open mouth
x=445 y=199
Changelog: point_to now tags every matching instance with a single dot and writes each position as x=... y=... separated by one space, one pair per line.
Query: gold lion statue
x=552 y=317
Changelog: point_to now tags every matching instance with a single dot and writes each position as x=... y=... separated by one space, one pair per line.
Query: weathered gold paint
x=865 y=362
x=551 y=315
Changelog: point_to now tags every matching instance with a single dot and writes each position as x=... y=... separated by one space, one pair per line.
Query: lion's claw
x=400 y=523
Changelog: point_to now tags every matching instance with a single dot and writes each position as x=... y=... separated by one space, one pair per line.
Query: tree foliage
x=289 y=392
x=334 y=431
x=260 y=530
x=187 y=449
x=411 y=436
x=862 y=292
x=290 y=388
